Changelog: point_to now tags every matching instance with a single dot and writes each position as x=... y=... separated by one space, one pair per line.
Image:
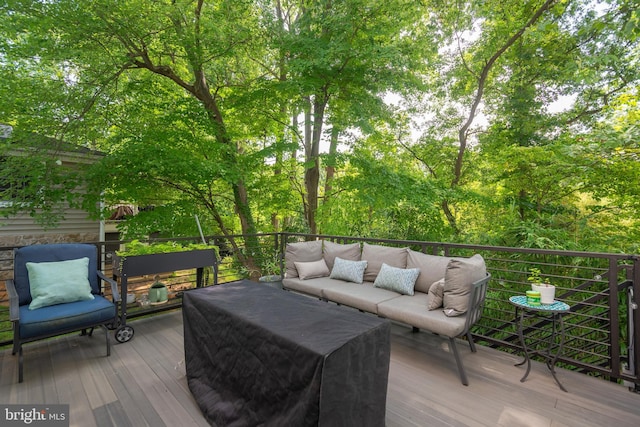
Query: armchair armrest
x=14 y=301
x=114 y=286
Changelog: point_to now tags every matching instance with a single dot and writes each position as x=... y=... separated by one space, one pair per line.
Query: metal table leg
x=553 y=358
x=526 y=359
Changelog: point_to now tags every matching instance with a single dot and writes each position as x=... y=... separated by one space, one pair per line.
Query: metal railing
x=601 y=331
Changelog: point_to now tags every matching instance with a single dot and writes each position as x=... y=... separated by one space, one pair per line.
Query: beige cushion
x=458 y=281
x=436 y=291
x=364 y=297
x=301 y=252
x=411 y=310
x=375 y=255
x=331 y=250
x=312 y=269
x=432 y=268
x=313 y=287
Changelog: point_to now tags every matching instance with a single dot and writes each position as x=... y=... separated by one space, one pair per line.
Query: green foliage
x=201 y=111
x=136 y=247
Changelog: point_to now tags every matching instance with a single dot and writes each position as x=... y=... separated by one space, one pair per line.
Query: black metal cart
x=142 y=265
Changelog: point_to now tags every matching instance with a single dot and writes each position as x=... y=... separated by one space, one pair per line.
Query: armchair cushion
x=50 y=253
x=61 y=318
x=58 y=282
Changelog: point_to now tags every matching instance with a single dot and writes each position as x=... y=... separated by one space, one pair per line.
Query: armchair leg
x=20 y=362
x=461 y=372
x=106 y=334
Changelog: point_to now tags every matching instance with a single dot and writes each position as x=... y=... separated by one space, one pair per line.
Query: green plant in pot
x=542 y=285
x=270 y=270
x=158 y=292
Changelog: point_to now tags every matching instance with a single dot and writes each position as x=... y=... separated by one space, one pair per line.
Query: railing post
x=634 y=320
x=614 y=320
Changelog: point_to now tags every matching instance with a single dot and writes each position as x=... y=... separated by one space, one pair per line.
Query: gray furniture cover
x=256 y=355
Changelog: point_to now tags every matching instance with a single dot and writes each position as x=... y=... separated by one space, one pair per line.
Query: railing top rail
x=558 y=252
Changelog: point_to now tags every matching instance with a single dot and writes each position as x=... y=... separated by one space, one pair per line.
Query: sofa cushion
x=435 y=295
x=412 y=311
x=432 y=268
x=458 y=281
x=351 y=271
x=332 y=250
x=375 y=255
x=364 y=297
x=312 y=287
x=395 y=279
x=301 y=252
x=312 y=269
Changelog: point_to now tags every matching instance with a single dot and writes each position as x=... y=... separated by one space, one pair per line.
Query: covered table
x=256 y=355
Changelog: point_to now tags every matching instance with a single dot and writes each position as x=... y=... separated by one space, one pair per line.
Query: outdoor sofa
x=443 y=295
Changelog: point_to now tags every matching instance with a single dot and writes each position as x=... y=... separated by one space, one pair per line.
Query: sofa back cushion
x=375 y=255
x=458 y=283
x=331 y=250
x=432 y=268
x=301 y=252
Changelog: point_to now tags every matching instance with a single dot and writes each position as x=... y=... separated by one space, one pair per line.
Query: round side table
x=554 y=311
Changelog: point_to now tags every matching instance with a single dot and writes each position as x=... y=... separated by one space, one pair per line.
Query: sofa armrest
x=14 y=301
x=476 y=302
x=114 y=286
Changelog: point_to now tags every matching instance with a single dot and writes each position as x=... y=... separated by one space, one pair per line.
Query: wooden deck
x=143 y=384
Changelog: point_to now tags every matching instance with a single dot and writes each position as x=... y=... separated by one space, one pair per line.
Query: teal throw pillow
x=58 y=282
x=401 y=280
x=351 y=271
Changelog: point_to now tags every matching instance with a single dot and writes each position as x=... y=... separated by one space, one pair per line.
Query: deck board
x=143 y=383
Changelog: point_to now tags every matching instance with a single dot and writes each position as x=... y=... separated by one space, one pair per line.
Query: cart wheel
x=124 y=333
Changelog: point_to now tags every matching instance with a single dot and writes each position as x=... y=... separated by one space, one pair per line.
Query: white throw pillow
x=401 y=280
x=351 y=271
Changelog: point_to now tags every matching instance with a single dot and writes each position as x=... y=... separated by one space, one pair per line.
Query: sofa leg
x=454 y=349
x=472 y=345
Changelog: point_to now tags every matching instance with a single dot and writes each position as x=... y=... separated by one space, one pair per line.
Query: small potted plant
x=546 y=289
x=271 y=272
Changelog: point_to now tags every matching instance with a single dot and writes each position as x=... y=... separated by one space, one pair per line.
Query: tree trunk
x=463 y=133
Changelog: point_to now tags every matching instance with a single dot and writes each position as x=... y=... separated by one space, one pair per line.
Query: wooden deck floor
x=143 y=384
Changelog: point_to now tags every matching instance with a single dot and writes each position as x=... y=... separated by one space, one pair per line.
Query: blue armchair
x=55 y=290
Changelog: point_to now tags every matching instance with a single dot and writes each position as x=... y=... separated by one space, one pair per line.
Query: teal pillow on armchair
x=58 y=282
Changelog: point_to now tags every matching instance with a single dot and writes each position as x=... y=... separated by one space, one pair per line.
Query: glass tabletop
x=557 y=306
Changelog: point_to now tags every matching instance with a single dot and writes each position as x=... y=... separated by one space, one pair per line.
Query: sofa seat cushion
x=365 y=297
x=412 y=310
x=312 y=287
x=71 y=316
